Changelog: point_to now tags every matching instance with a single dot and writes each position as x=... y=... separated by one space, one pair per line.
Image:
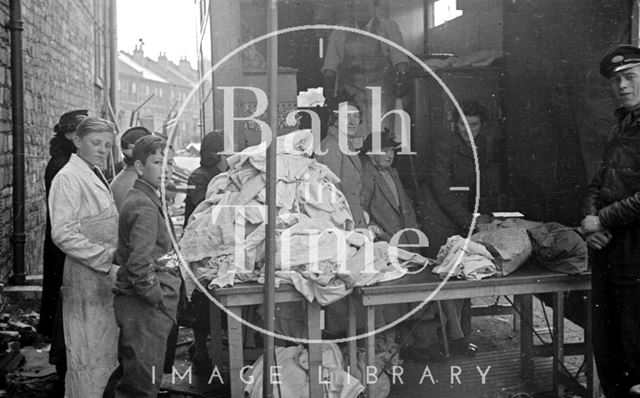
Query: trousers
x=142 y=345
x=616 y=325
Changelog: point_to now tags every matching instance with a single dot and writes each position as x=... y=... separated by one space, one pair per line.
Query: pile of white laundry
x=317 y=249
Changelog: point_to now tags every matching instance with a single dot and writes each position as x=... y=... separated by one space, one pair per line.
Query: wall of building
x=557 y=105
x=478 y=28
x=61 y=72
x=169 y=91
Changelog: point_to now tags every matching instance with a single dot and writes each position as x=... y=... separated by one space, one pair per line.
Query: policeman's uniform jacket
x=614 y=194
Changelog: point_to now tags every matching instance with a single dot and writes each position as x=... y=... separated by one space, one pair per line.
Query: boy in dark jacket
x=147 y=291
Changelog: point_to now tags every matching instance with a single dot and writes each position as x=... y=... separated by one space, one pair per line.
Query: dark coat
x=142 y=239
x=455 y=167
x=199 y=179
x=614 y=193
x=60 y=149
x=443 y=212
x=348 y=169
x=379 y=202
x=212 y=144
x=614 y=196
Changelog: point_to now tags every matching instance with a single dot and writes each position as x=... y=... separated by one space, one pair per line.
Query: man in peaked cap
x=123 y=182
x=619 y=58
x=612 y=229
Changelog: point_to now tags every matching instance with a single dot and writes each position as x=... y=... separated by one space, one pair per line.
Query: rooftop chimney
x=185 y=66
x=138 y=55
x=162 y=60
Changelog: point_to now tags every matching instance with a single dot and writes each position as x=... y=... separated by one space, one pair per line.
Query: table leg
x=215 y=324
x=353 y=345
x=315 y=350
x=371 y=349
x=516 y=320
x=525 y=304
x=443 y=327
x=236 y=358
x=593 y=383
x=558 y=343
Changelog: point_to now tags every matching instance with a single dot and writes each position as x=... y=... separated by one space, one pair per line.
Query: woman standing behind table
x=84 y=225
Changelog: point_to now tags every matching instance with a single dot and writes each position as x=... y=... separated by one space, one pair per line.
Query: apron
x=364 y=64
x=90 y=328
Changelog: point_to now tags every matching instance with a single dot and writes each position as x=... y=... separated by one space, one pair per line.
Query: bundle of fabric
x=559 y=248
x=317 y=249
x=511 y=247
x=294 y=364
x=508 y=223
x=464 y=259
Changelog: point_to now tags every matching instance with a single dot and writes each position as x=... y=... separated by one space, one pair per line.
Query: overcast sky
x=164 y=25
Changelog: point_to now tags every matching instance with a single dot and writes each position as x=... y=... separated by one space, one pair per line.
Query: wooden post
x=314 y=350
x=525 y=305
x=593 y=384
x=270 y=249
x=353 y=346
x=371 y=349
x=558 y=343
x=236 y=357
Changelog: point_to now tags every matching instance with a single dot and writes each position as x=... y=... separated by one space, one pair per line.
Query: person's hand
x=591 y=224
x=113 y=271
x=330 y=100
x=401 y=78
x=376 y=230
x=598 y=240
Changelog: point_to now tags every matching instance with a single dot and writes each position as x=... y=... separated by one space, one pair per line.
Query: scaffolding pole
x=269 y=286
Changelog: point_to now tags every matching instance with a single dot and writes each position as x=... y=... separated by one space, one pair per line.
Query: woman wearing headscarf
x=84 y=225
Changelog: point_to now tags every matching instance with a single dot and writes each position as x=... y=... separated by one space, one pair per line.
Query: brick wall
x=60 y=73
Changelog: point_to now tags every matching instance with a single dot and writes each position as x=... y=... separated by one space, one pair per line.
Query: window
x=443 y=11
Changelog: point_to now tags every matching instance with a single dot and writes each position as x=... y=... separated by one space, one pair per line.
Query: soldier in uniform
x=612 y=228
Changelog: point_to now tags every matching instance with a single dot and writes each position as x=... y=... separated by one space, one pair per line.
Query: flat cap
x=619 y=58
x=129 y=138
x=70 y=120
